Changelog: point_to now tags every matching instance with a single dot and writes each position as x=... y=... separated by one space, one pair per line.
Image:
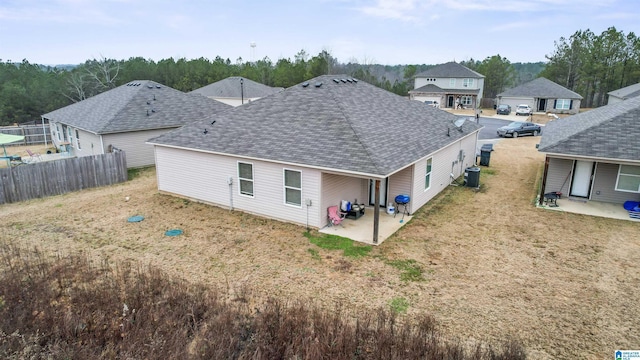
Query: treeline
x=593 y=65
x=588 y=64
x=30 y=90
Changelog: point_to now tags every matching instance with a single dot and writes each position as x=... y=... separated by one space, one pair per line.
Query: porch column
x=544 y=180
x=376 y=212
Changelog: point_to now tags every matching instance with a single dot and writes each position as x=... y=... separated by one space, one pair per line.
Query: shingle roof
x=541 y=88
x=230 y=88
x=626 y=92
x=434 y=89
x=344 y=125
x=137 y=105
x=450 y=70
x=610 y=131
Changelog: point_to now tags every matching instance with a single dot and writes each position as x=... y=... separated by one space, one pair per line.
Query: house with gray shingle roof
x=450 y=85
x=126 y=117
x=594 y=155
x=625 y=93
x=293 y=154
x=542 y=95
x=236 y=90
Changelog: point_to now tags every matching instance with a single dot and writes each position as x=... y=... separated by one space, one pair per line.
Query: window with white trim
x=78 y=139
x=70 y=136
x=452 y=82
x=628 y=179
x=59 y=132
x=563 y=104
x=245 y=178
x=467 y=82
x=293 y=187
x=427 y=176
x=467 y=100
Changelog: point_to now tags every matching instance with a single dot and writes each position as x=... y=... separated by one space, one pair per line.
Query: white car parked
x=524 y=109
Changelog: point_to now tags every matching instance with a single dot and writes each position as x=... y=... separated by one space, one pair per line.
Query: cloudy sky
x=365 y=31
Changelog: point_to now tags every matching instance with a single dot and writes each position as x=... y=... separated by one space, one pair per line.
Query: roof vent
x=349 y=80
x=343 y=80
x=158 y=86
x=148 y=102
x=355 y=80
x=318 y=84
x=336 y=81
x=150 y=86
x=305 y=84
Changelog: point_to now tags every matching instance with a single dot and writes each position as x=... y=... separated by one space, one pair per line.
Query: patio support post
x=544 y=180
x=376 y=212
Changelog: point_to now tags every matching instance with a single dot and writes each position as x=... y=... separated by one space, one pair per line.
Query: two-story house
x=448 y=85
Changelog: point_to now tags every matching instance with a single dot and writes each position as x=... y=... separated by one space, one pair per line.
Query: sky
x=388 y=32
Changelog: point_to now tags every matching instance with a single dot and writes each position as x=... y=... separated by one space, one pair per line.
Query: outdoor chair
x=335 y=215
x=34 y=156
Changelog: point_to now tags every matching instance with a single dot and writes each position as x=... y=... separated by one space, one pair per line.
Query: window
x=59 y=132
x=245 y=178
x=467 y=82
x=293 y=187
x=628 y=179
x=563 y=104
x=427 y=176
x=467 y=100
x=452 y=82
x=70 y=135
x=78 y=139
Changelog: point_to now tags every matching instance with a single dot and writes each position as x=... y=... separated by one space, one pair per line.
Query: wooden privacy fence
x=33 y=134
x=48 y=178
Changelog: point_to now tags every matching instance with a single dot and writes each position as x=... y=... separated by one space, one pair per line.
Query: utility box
x=472 y=177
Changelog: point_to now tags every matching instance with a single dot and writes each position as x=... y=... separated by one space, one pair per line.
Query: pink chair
x=335 y=215
x=34 y=156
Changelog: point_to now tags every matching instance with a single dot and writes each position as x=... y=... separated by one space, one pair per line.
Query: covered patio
x=591 y=208
x=361 y=230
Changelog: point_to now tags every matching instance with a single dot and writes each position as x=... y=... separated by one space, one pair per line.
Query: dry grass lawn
x=494 y=265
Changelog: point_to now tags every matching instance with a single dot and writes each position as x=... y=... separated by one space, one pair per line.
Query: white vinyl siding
x=445 y=162
x=401 y=183
x=245 y=179
x=203 y=177
x=134 y=145
x=341 y=187
x=628 y=179
x=292 y=187
x=427 y=176
x=558 y=175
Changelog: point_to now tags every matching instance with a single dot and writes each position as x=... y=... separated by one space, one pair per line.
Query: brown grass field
x=494 y=266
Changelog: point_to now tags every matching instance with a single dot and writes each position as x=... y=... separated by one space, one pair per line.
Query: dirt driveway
x=494 y=265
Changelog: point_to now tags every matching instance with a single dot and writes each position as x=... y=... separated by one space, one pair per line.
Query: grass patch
x=411 y=270
x=314 y=254
x=399 y=305
x=487 y=171
x=334 y=242
x=133 y=173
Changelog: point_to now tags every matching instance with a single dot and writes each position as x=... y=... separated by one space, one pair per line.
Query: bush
x=70 y=308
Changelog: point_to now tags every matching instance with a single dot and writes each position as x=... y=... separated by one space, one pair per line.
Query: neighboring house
x=594 y=155
x=625 y=93
x=295 y=153
x=236 y=91
x=542 y=95
x=126 y=117
x=449 y=84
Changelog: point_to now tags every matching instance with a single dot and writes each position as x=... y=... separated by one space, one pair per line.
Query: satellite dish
x=458 y=123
